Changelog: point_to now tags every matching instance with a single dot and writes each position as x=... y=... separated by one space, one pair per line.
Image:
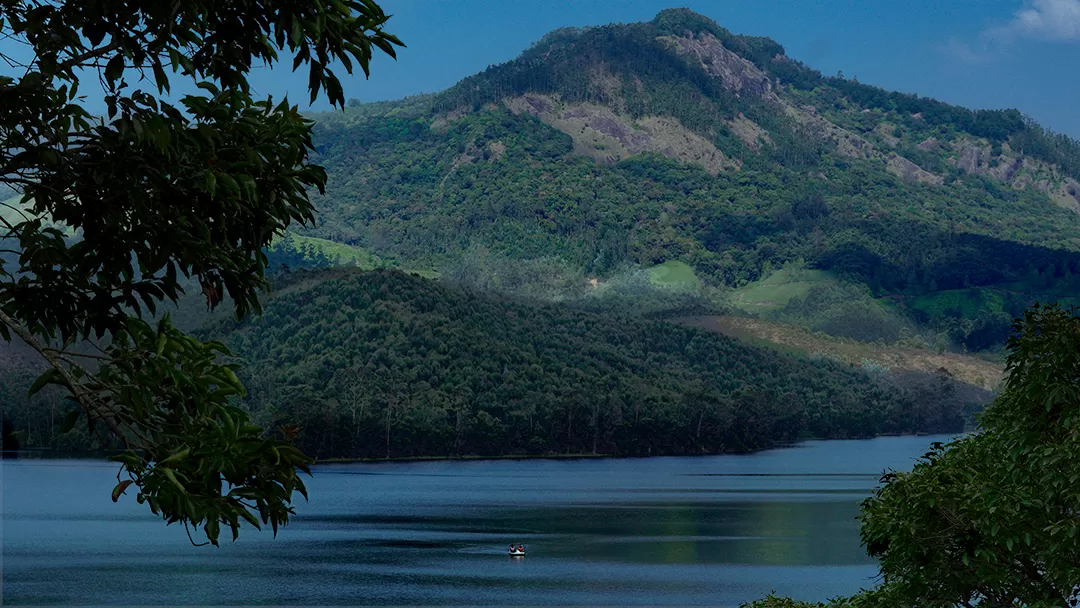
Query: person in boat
x=521 y=548
x=511 y=547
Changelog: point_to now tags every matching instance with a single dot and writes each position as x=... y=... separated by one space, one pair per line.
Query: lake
x=715 y=530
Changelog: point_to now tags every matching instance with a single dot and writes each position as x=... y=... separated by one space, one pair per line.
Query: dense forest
x=382 y=363
x=908 y=196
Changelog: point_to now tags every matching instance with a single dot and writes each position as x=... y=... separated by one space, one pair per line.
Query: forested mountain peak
x=614 y=89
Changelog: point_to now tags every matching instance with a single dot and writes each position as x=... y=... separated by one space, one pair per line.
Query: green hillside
x=455 y=372
x=638 y=145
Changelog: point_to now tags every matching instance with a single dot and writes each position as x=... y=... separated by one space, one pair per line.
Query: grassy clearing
x=791 y=339
x=348 y=255
x=342 y=254
x=776 y=290
x=674 y=273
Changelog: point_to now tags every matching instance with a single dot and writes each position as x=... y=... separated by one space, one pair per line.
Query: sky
x=976 y=53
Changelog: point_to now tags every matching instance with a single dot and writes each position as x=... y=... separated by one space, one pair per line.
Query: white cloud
x=1051 y=20
x=963 y=52
x=1042 y=20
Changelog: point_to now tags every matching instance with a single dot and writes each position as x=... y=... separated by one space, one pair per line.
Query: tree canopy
x=989 y=519
x=116 y=214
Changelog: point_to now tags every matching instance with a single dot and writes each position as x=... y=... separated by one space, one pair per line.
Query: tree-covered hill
x=370 y=364
x=631 y=145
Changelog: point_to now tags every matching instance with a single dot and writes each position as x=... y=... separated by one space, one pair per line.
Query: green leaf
x=70 y=419
x=230 y=426
x=50 y=376
x=168 y=473
x=211 y=183
x=250 y=518
x=212 y=530
x=177 y=456
x=114 y=69
x=160 y=78
x=119 y=489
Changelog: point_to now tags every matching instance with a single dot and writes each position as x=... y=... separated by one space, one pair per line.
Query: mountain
x=607 y=149
x=609 y=179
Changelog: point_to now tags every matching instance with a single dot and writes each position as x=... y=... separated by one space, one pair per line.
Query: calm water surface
x=710 y=530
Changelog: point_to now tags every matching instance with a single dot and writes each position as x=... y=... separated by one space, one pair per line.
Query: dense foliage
x=115 y=214
x=988 y=519
x=383 y=364
x=992 y=517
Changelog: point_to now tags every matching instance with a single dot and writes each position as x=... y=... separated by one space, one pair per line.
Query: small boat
x=517 y=552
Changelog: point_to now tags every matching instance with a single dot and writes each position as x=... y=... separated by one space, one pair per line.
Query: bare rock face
x=848 y=144
x=885 y=132
x=748 y=131
x=607 y=136
x=1006 y=168
x=1067 y=195
x=1020 y=172
x=909 y=171
x=972 y=158
x=930 y=144
x=443 y=121
x=852 y=145
x=737 y=74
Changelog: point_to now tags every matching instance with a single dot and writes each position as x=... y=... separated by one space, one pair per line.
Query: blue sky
x=976 y=53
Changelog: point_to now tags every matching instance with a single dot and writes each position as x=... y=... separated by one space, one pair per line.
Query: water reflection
x=713 y=531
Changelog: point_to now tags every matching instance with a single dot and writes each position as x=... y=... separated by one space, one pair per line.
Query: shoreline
x=49 y=454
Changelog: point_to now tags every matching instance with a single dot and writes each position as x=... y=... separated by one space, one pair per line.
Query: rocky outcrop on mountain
x=607 y=136
x=749 y=132
x=1067 y=194
x=852 y=145
x=976 y=157
x=930 y=144
x=884 y=131
x=972 y=158
x=737 y=74
x=847 y=143
x=1006 y=168
x=909 y=171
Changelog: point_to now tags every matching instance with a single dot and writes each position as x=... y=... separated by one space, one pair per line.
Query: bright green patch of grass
x=674 y=273
x=345 y=255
